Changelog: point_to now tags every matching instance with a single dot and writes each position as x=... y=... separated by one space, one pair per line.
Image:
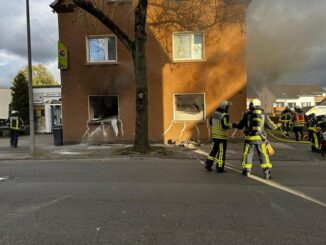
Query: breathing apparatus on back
x=256 y=121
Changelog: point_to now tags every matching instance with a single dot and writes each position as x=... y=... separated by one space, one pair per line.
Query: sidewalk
x=46 y=150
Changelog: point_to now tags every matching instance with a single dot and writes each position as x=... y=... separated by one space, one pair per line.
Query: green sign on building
x=62 y=56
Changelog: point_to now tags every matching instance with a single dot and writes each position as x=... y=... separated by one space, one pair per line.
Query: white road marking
x=273 y=184
x=281 y=187
x=4 y=178
x=36 y=207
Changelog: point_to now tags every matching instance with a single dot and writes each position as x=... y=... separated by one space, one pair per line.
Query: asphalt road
x=160 y=201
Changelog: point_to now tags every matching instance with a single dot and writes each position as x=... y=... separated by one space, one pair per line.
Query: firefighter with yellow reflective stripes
x=255 y=121
x=299 y=120
x=15 y=123
x=286 y=120
x=315 y=131
x=220 y=125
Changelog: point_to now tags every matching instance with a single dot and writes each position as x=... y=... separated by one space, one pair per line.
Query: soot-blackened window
x=103 y=107
x=189 y=107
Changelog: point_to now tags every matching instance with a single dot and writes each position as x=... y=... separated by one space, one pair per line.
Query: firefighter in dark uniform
x=314 y=132
x=15 y=124
x=299 y=119
x=255 y=121
x=220 y=122
x=286 y=120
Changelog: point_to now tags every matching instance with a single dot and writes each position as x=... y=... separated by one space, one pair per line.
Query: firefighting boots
x=220 y=169
x=246 y=172
x=208 y=168
x=267 y=173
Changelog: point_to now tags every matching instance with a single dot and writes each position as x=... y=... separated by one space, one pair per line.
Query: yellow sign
x=62 y=56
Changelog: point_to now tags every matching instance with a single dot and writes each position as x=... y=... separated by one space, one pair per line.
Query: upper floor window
x=188 y=46
x=306 y=104
x=101 y=49
x=292 y=104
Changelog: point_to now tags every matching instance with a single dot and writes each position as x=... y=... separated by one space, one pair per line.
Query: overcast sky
x=286 y=40
x=13 y=43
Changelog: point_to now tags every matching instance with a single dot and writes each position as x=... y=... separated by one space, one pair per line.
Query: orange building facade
x=195 y=58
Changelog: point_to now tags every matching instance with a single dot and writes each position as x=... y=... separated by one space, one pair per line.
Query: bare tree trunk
x=139 y=57
x=138 y=50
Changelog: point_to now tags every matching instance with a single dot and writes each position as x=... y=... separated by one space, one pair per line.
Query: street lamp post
x=30 y=84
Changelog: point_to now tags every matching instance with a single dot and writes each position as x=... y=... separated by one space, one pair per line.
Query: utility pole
x=30 y=84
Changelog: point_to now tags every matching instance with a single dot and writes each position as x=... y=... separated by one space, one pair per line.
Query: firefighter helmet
x=255 y=103
x=297 y=107
x=224 y=105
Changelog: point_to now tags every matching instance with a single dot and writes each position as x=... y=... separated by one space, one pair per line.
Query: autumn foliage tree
x=41 y=75
x=19 y=89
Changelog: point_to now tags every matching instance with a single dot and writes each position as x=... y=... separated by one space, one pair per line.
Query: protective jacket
x=255 y=121
x=299 y=119
x=286 y=116
x=220 y=124
x=15 y=123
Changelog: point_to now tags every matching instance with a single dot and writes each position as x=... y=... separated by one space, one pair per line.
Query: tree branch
x=122 y=36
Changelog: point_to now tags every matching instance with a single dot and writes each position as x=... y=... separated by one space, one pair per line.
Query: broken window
x=102 y=49
x=187 y=46
x=189 y=107
x=103 y=107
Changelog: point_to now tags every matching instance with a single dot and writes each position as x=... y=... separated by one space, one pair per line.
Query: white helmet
x=297 y=107
x=255 y=103
x=224 y=104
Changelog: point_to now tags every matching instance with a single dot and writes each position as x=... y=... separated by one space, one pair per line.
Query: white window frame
x=190 y=33
x=174 y=108
x=279 y=104
x=291 y=104
x=106 y=61
x=305 y=104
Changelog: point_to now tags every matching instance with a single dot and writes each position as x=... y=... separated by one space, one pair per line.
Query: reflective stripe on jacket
x=220 y=125
x=298 y=119
x=255 y=125
x=286 y=116
x=14 y=123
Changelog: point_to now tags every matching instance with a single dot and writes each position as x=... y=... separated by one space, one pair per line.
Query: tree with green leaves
x=19 y=90
x=41 y=75
x=19 y=93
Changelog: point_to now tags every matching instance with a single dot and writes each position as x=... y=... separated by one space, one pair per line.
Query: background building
x=5 y=100
x=47 y=108
x=274 y=98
